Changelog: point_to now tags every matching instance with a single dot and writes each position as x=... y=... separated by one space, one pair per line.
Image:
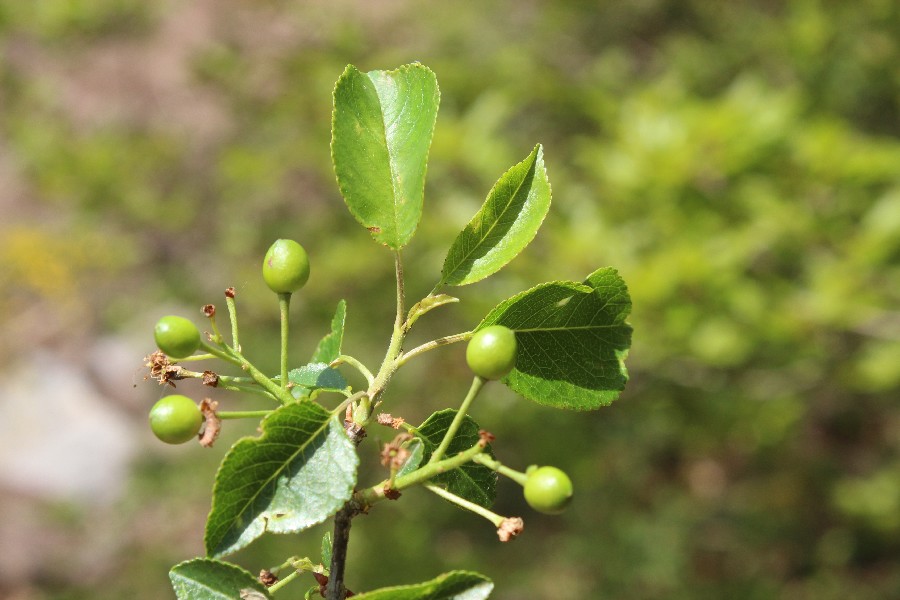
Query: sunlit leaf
x=382 y=126
x=208 y=579
x=505 y=224
x=456 y=585
x=298 y=473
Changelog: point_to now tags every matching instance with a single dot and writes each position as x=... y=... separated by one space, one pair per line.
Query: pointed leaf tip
x=506 y=223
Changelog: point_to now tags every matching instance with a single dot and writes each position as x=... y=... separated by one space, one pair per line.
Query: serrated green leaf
x=381 y=132
x=426 y=304
x=416 y=454
x=474 y=482
x=316 y=376
x=298 y=473
x=505 y=224
x=329 y=347
x=455 y=585
x=208 y=579
x=572 y=339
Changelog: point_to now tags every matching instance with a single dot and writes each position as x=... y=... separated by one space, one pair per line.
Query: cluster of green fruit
x=490 y=354
x=176 y=419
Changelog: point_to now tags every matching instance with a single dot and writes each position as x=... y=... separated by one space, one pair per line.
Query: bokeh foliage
x=738 y=163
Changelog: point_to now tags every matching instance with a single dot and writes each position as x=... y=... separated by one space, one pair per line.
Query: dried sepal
x=161 y=369
x=510 y=528
x=390 y=421
x=212 y=423
x=267 y=578
x=393 y=454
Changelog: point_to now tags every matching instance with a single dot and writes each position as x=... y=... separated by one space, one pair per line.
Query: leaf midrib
x=494 y=224
x=393 y=165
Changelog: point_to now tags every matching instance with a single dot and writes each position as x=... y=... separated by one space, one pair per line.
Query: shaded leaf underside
x=298 y=473
x=472 y=481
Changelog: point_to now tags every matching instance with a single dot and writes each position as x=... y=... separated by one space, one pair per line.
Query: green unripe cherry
x=548 y=490
x=491 y=352
x=286 y=267
x=175 y=419
x=176 y=336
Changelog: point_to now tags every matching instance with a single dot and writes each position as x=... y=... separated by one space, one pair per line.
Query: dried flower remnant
x=510 y=528
x=161 y=369
x=267 y=578
x=390 y=421
x=485 y=437
x=212 y=423
x=211 y=379
x=393 y=455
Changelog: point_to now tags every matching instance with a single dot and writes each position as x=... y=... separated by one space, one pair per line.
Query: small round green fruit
x=175 y=419
x=548 y=490
x=176 y=336
x=286 y=267
x=491 y=352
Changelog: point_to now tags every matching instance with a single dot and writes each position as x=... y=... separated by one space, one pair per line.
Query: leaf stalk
x=284 y=306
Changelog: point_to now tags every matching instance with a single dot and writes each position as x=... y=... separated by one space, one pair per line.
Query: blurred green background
x=738 y=162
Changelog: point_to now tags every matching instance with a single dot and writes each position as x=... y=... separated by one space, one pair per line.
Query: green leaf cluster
x=574 y=336
x=302 y=468
x=737 y=164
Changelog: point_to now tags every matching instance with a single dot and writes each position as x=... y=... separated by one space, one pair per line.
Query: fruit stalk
x=469 y=506
x=499 y=467
x=284 y=305
x=477 y=384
